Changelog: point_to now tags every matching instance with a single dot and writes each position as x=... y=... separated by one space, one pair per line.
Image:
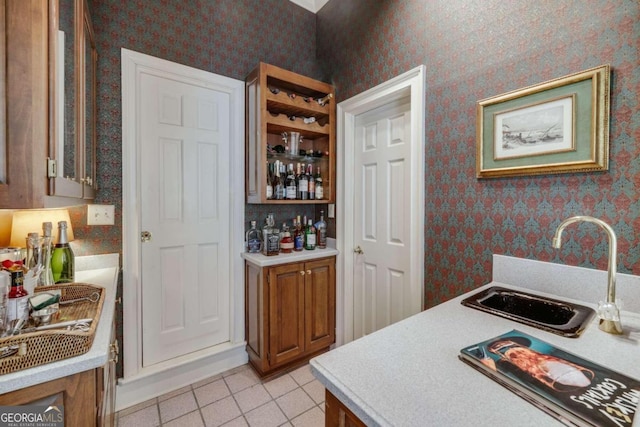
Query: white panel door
x=382 y=273
x=184 y=187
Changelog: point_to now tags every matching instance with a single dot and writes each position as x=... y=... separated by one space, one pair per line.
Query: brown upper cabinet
x=282 y=105
x=48 y=104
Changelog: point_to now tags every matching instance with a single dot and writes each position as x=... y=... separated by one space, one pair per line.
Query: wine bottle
x=62 y=259
x=321 y=232
x=303 y=183
x=291 y=184
x=279 y=183
x=319 y=188
x=324 y=100
x=269 y=190
x=312 y=182
x=310 y=237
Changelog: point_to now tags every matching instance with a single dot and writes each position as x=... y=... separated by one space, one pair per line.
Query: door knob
x=358 y=250
x=145 y=236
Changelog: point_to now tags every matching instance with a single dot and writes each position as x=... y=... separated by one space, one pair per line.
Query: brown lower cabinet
x=336 y=414
x=290 y=313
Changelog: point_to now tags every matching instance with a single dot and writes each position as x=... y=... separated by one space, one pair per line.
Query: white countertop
x=408 y=374
x=99 y=270
x=266 y=261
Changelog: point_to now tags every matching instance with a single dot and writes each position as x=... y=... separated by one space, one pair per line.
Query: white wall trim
x=133 y=65
x=311 y=5
x=413 y=83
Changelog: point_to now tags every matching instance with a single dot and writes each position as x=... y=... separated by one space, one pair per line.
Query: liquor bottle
x=298 y=235
x=286 y=242
x=310 y=237
x=269 y=181
x=279 y=183
x=298 y=173
x=46 y=277
x=292 y=189
x=303 y=183
x=254 y=244
x=319 y=188
x=312 y=182
x=270 y=237
x=324 y=100
x=321 y=232
x=62 y=259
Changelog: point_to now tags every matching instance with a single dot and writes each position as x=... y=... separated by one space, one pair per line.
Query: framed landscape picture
x=559 y=126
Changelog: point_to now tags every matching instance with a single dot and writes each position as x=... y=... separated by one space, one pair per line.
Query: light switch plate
x=332 y=210
x=100 y=214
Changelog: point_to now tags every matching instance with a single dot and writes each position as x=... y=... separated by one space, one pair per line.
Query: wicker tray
x=56 y=344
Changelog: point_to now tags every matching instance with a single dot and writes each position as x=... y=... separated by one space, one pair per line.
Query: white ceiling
x=312 y=5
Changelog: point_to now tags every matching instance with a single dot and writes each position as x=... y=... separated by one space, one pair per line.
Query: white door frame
x=140 y=383
x=411 y=83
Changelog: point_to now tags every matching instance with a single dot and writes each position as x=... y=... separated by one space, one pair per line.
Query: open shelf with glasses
x=278 y=103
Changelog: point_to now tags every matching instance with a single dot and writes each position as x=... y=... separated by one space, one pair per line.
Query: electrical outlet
x=100 y=214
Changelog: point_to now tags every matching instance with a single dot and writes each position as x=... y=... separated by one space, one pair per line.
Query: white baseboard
x=164 y=377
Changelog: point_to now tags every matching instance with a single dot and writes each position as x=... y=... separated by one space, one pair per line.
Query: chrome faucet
x=608 y=311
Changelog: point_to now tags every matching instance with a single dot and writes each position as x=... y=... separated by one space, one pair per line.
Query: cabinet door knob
x=145 y=236
x=301 y=273
x=358 y=250
x=309 y=272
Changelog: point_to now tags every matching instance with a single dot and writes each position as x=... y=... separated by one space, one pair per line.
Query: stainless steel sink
x=552 y=315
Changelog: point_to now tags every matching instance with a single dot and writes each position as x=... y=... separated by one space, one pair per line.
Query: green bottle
x=62 y=264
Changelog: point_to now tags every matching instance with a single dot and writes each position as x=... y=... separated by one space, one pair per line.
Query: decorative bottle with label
x=62 y=259
x=286 y=242
x=18 y=298
x=270 y=237
x=46 y=277
x=254 y=244
x=319 y=188
x=310 y=237
x=321 y=232
x=298 y=235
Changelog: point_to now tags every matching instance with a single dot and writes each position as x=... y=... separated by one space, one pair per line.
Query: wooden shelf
x=270 y=114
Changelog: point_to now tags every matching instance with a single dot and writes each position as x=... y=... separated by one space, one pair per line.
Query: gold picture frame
x=559 y=126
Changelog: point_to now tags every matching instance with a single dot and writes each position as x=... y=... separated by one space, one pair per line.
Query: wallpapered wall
x=226 y=37
x=474 y=50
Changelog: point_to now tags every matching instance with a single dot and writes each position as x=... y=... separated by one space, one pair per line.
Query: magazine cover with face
x=574 y=390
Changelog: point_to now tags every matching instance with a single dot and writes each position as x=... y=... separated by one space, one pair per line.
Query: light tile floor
x=235 y=398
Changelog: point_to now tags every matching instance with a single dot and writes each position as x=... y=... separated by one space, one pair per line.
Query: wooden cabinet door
x=286 y=312
x=320 y=301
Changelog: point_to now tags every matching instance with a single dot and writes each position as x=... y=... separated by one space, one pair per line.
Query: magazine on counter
x=568 y=387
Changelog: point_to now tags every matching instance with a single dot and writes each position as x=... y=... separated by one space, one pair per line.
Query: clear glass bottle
x=254 y=243
x=310 y=237
x=46 y=277
x=298 y=235
x=62 y=259
x=319 y=188
x=321 y=232
x=279 y=182
x=270 y=237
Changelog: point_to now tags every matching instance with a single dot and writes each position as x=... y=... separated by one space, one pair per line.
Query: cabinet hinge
x=269 y=357
x=52 y=168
